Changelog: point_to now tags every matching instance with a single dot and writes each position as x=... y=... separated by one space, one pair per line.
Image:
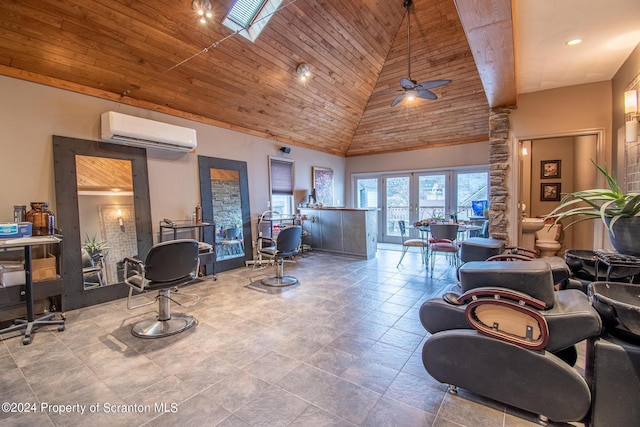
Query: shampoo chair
x=510 y=337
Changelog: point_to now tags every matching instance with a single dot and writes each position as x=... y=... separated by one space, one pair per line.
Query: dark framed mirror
x=103 y=213
x=224 y=194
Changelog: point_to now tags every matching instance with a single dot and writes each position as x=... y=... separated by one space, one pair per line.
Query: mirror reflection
x=106 y=218
x=227 y=208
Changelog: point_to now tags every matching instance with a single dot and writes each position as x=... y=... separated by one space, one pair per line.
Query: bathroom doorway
x=550 y=167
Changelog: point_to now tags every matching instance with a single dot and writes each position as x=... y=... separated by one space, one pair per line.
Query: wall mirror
x=103 y=211
x=224 y=193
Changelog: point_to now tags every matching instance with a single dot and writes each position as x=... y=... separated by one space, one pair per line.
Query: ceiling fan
x=411 y=89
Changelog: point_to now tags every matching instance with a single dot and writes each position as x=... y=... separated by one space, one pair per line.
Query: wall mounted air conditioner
x=139 y=132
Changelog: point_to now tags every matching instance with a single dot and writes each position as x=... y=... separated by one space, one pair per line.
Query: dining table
x=463 y=229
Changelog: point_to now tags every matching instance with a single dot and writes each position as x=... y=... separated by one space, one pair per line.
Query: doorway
x=551 y=166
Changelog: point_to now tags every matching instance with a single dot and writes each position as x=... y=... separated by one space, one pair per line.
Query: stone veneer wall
x=227 y=206
x=498 y=171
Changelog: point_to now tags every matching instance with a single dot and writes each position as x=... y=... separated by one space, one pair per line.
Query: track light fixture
x=303 y=71
x=203 y=9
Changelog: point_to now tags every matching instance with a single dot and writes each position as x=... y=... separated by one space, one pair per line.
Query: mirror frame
x=205 y=164
x=65 y=150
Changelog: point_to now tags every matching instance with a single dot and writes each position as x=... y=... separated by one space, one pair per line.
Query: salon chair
x=510 y=336
x=167 y=266
x=92 y=270
x=286 y=244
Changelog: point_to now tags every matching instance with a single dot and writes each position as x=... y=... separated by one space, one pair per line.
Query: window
x=281 y=180
x=249 y=17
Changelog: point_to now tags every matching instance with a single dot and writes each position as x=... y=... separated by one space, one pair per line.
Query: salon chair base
x=154 y=328
x=279 y=281
x=166 y=323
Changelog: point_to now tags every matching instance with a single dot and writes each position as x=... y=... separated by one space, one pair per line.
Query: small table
x=30 y=323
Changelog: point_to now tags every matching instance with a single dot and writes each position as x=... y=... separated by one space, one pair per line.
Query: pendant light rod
x=407 y=5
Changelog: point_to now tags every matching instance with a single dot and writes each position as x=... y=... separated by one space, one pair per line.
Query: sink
x=619 y=307
x=531 y=225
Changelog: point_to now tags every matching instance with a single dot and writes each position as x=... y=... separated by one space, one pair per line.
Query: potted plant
x=94 y=247
x=619 y=211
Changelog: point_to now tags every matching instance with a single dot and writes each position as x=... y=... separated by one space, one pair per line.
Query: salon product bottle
x=198 y=217
x=42 y=219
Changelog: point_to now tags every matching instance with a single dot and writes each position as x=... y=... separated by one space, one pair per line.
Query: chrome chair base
x=154 y=328
x=279 y=281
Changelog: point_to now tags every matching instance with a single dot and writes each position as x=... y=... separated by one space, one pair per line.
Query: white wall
x=31 y=113
x=430 y=158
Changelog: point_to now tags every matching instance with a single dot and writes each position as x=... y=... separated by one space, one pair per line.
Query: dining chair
x=443 y=240
x=412 y=243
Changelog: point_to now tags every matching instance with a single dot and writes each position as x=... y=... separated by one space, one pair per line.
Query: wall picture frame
x=550 y=169
x=550 y=192
x=323 y=184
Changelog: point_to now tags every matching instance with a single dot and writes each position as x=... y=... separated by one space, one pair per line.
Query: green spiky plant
x=95 y=247
x=607 y=204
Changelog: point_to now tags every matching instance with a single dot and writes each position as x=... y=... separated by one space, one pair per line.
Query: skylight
x=249 y=17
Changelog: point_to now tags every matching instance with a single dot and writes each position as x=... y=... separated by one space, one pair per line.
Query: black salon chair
x=167 y=266
x=92 y=270
x=286 y=244
x=511 y=337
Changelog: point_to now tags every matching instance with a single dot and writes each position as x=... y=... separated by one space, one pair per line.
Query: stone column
x=499 y=168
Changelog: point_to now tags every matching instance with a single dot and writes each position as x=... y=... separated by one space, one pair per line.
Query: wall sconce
x=120 y=220
x=631 y=110
x=303 y=71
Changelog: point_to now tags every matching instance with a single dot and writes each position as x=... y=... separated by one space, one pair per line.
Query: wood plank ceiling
x=132 y=51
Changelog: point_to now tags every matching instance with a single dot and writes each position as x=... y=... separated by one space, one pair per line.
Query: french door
x=413 y=196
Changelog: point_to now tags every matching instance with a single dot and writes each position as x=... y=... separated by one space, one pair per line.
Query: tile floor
x=343 y=348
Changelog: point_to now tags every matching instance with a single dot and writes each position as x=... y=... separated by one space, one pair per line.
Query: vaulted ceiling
x=154 y=54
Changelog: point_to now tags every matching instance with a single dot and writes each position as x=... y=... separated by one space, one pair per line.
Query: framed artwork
x=550 y=169
x=323 y=184
x=550 y=192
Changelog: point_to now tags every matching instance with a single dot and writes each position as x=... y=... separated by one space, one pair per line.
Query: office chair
x=167 y=266
x=285 y=245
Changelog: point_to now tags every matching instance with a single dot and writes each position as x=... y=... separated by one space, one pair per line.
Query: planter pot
x=625 y=235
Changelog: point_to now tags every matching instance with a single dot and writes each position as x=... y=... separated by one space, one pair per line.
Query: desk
x=30 y=323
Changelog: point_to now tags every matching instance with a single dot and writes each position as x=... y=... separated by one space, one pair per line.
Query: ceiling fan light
x=203 y=20
x=208 y=14
x=411 y=96
x=200 y=12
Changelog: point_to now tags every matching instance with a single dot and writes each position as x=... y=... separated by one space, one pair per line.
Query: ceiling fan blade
x=397 y=100
x=432 y=83
x=425 y=94
x=407 y=83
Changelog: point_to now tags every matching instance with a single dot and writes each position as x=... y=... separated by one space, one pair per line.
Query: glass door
x=472 y=188
x=397 y=206
x=433 y=196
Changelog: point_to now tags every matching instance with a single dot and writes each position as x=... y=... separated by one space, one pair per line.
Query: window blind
x=281 y=177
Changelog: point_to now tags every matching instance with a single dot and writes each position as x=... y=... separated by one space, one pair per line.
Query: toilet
x=547 y=242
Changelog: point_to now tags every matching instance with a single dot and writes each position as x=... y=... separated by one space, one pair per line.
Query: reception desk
x=342 y=230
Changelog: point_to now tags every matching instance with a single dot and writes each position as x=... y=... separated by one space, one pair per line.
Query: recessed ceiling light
x=574 y=42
